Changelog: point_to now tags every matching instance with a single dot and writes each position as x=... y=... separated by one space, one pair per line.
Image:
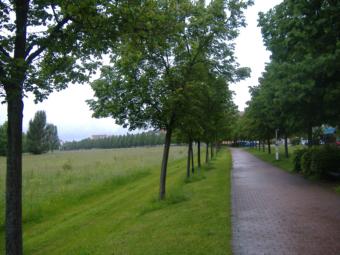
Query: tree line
x=299 y=90
x=171 y=64
x=117 y=141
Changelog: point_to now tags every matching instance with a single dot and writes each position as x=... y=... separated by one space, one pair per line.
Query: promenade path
x=275 y=212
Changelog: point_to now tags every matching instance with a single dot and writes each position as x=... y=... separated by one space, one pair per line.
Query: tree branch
x=36 y=53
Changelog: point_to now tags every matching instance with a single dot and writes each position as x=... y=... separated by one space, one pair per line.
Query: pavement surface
x=275 y=212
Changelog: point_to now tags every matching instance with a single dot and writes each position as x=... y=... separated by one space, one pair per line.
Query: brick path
x=276 y=213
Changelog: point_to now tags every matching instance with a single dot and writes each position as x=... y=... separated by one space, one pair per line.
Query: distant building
x=97 y=137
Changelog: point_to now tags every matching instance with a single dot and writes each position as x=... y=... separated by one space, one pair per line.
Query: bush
x=324 y=160
x=306 y=160
x=318 y=161
x=297 y=159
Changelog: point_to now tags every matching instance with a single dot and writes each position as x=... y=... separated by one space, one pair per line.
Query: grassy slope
x=126 y=218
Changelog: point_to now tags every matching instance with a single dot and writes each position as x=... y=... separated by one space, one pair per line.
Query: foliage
x=305 y=56
x=297 y=159
x=318 y=161
x=41 y=137
x=3 y=139
x=306 y=161
x=120 y=141
x=52 y=138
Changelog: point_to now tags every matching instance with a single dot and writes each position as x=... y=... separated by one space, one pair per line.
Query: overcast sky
x=67 y=109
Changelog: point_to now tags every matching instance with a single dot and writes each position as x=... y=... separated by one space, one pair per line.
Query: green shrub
x=306 y=160
x=324 y=160
x=297 y=159
x=318 y=161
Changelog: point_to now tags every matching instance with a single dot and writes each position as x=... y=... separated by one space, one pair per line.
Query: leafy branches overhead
x=56 y=45
x=153 y=69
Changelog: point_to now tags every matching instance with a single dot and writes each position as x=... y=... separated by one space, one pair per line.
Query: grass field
x=105 y=202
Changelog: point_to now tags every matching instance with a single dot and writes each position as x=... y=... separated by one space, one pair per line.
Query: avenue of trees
x=171 y=65
x=117 y=141
x=300 y=88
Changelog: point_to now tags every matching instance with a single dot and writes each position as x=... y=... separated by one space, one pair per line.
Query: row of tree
x=174 y=74
x=171 y=63
x=299 y=89
x=119 y=141
x=41 y=137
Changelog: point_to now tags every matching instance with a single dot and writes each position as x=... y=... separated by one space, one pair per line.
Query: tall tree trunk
x=259 y=145
x=188 y=159
x=211 y=150
x=286 y=146
x=14 y=95
x=269 y=148
x=192 y=158
x=207 y=152
x=165 y=163
x=199 y=154
x=310 y=135
x=14 y=172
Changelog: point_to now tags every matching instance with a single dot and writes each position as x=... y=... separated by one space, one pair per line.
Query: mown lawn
x=106 y=203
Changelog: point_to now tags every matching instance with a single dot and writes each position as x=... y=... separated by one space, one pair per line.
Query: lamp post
x=277 y=156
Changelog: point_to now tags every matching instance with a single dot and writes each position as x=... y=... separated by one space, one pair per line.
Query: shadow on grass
x=175 y=197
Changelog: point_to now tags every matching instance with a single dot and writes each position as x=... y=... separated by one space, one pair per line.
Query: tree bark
x=188 y=160
x=165 y=163
x=286 y=146
x=192 y=158
x=14 y=172
x=199 y=154
x=211 y=150
x=14 y=95
x=207 y=153
x=269 y=149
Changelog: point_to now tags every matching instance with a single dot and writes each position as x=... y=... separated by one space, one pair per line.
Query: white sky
x=68 y=110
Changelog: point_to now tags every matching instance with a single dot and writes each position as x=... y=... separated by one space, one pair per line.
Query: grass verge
x=128 y=219
x=283 y=163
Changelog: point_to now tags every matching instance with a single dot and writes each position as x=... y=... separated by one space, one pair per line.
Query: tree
x=150 y=77
x=37 y=140
x=303 y=37
x=43 y=46
x=52 y=138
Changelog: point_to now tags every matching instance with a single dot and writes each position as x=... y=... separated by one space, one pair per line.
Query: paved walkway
x=276 y=213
